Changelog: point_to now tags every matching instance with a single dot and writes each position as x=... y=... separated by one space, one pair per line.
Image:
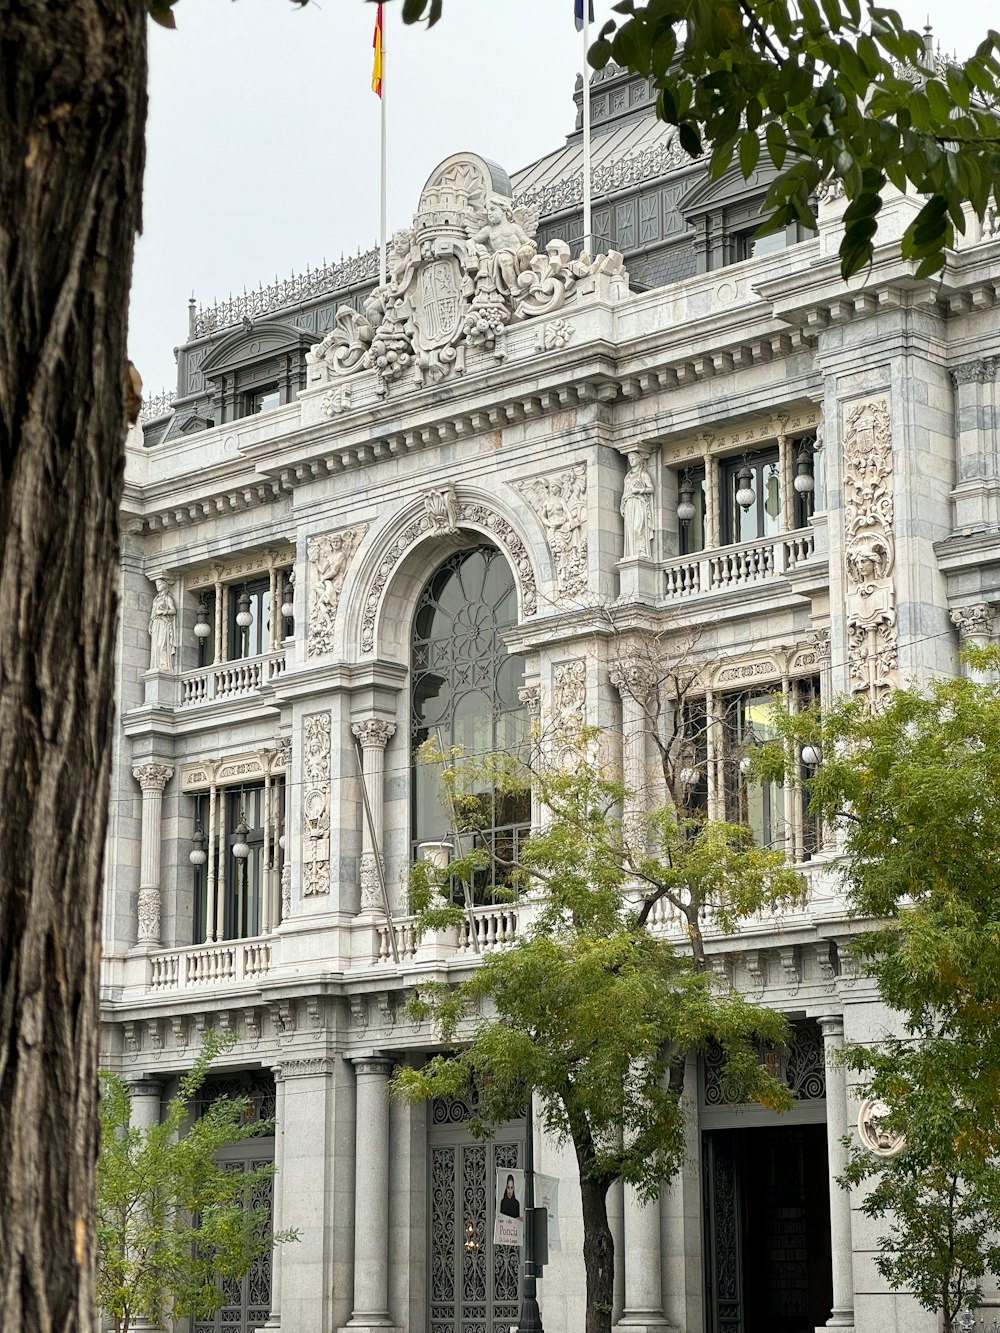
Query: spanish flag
x=377 y=46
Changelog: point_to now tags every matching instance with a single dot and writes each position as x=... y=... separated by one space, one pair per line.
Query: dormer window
x=263 y=399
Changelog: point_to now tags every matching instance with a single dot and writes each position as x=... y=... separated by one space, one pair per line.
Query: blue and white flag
x=579 y=13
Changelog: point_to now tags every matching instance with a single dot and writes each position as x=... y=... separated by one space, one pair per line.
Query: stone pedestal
x=160 y=687
x=639 y=580
x=837 y=1125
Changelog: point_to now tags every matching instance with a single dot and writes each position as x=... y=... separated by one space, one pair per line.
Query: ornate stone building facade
x=470 y=502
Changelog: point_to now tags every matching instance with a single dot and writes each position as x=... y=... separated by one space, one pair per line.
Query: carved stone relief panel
x=316 y=804
x=560 y=502
x=329 y=558
x=569 y=702
x=869 y=551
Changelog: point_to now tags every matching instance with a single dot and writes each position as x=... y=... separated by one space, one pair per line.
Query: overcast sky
x=263 y=133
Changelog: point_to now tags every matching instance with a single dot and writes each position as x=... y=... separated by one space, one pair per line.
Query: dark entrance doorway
x=767 y=1223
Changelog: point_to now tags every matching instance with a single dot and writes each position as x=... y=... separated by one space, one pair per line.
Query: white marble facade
x=517 y=396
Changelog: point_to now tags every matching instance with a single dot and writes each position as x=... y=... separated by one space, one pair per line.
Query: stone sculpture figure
x=504 y=248
x=637 y=507
x=162 y=628
x=561 y=504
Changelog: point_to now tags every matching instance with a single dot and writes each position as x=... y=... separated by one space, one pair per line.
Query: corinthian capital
x=374 y=733
x=634 y=677
x=152 y=777
x=973 y=622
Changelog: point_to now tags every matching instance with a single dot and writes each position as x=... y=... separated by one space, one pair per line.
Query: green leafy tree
x=172 y=1222
x=822 y=90
x=915 y=793
x=590 y=1010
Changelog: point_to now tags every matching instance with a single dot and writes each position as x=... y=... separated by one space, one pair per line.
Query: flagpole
x=587 y=236
x=381 y=220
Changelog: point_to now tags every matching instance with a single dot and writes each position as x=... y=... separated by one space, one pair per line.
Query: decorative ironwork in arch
x=802 y=1066
x=464 y=694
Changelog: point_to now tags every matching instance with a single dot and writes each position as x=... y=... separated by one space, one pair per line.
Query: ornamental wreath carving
x=870 y=556
x=560 y=502
x=316 y=804
x=329 y=558
x=466 y=270
x=472 y=514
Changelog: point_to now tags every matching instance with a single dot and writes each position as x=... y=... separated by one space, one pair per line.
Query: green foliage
x=589 y=1008
x=915 y=790
x=171 y=1221
x=829 y=89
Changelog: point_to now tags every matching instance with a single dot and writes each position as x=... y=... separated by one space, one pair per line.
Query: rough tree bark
x=598 y=1254
x=72 y=117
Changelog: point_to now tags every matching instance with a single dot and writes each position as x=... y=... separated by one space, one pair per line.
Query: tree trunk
x=598 y=1254
x=72 y=115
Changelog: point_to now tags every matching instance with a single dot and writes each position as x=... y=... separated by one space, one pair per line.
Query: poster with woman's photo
x=508 y=1224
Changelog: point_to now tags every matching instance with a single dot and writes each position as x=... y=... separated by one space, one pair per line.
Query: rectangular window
x=751 y=490
x=264 y=399
x=246 y=878
x=691 y=491
x=251 y=637
x=761 y=805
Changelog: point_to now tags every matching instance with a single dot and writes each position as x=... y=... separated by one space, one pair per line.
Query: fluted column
x=531 y=701
x=837 y=1125
x=374 y=734
x=152 y=778
x=371 y=1196
x=975 y=625
x=634 y=679
x=643 y=1265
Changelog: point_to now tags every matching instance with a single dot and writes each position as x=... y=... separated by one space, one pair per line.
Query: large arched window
x=464 y=693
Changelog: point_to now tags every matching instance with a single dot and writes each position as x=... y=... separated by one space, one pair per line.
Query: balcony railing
x=201 y=965
x=490 y=928
x=230 y=680
x=737 y=566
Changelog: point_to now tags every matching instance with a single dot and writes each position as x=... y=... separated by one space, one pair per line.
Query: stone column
x=634 y=680
x=274 y=1317
x=371 y=1195
x=643 y=1272
x=152 y=778
x=531 y=701
x=837 y=1125
x=975 y=625
x=374 y=734
x=145 y=1094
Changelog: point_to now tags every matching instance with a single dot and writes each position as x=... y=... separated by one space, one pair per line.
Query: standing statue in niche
x=637 y=507
x=162 y=629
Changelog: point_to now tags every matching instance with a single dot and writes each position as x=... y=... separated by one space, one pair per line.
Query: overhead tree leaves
x=840 y=85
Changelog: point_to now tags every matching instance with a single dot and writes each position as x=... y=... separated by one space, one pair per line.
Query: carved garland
x=480 y=516
x=870 y=557
x=316 y=804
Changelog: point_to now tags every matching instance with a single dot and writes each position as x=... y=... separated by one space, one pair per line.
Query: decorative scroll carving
x=286 y=890
x=162 y=628
x=974 y=623
x=316 y=804
x=975 y=372
x=554 y=335
x=531 y=701
x=740 y=671
x=870 y=551
x=329 y=558
x=336 y=401
x=819 y=639
x=441 y=508
x=560 y=502
x=466 y=270
x=472 y=513
x=637 y=506
x=152 y=777
x=634 y=677
x=569 y=704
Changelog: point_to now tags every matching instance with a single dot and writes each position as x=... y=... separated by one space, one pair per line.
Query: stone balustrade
x=231 y=962
x=737 y=566
x=230 y=680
